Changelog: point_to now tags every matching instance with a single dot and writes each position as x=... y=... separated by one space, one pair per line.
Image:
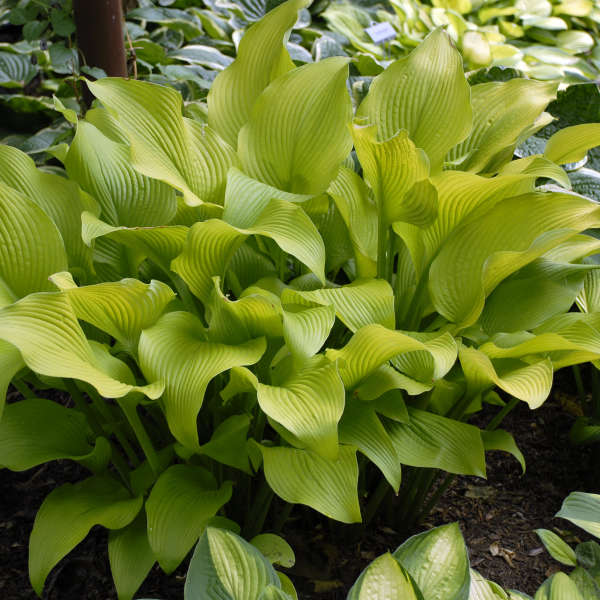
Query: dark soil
x=498 y=518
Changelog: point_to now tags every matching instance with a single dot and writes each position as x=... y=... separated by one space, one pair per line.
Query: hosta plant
x=295 y=300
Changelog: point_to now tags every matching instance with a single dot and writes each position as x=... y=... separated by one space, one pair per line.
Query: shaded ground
x=497 y=517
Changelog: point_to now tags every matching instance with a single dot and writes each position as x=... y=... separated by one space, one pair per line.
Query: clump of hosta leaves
x=239 y=308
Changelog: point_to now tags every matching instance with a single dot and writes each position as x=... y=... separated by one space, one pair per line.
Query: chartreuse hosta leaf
x=190 y=157
x=512 y=234
x=583 y=510
x=275 y=548
x=397 y=172
x=558 y=587
x=121 y=308
x=501 y=112
x=557 y=547
x=261 y=57
x=297 y=135
x=304 y=477
x=417 y=93
x=437 y=561
x=102 y=166
x=538 y=166
x=383 y=579
x=305 y=329
x=66 y=516
x=34 y=431
x=10 y=364
x=46 y=332
x=570 y=145
x=226 y=566
x=498 y=439
x=181 y=502
x=176 y=352
x=61 y=200
x=227 y=444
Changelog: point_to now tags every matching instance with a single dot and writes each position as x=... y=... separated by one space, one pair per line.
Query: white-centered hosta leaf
x=392 y=167
x=121 y=308
x=181 y=502
x=176 y=351
x=437 y=560
x=528 y=382
x=261 y=57
x=61 y=200
x=583 y=510
x=483 y=251
x=165 y=145
x=226 y=566
x=46 y=332
x=66 y=516
x=297 y=135
x=501 y=112
x=384 y=579
x=482 y=589
x=419 y=92
x=557 y=547
x=34 y=431
x=570 y=145
x=434 y=442
x=103 y=168
x=303 y=477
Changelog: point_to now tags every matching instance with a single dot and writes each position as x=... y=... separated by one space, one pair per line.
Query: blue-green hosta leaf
x=16 y=70
x=197 y=54
x=557 y=547
x=383 y=579
x=261 y=57
x=226 y=566
x=165 y=145
x=435 y=442
x=46 y=332
x=181 y=502
x=498 y=439
x=482 y=589
x=437 y=560
x=297 y=135
x=528 y=382
x=570 y=145
x=583 y=510
x=130 y=555
x=275 y=548
x=482 y=252
x=586 y=182
x=417 y=92
x=303 y=477
x=360 y=427
x=396 y=169
x=501 y=112
x=66 y=516
x=176 y=352
x=558 y=587
x=103 y=168
x=121 y=308
x=59 y=198
x=35 y=431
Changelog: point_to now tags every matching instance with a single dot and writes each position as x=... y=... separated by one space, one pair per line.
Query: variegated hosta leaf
x=66 y=516
x=61 y=200
x=180 y=504
x=102 y=167
x=374 y=345
x=397 y=172
x=165 y=145
x=482 y=589
x=303 y=477
x=482 y=252
x=528 y=382
x=176 y=351
x=570 y=145
x=297 y=135
x=45 y=330
x=419 y=92
x=501 y=112
x=261 y=57
x=435 y=442
x=121 y=308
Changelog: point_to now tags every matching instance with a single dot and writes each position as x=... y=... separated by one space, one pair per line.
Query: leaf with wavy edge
x=181 y=502
x=417 y=93
x=261 y=58
x=570 y=145
x=165 y=145
x=538 y=166
x=297 y=135
x=176 y=351
x=304 y=477
x=66 y=516
x=46 y=332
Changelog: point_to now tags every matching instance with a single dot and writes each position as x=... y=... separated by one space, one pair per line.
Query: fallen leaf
x=327 y=586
